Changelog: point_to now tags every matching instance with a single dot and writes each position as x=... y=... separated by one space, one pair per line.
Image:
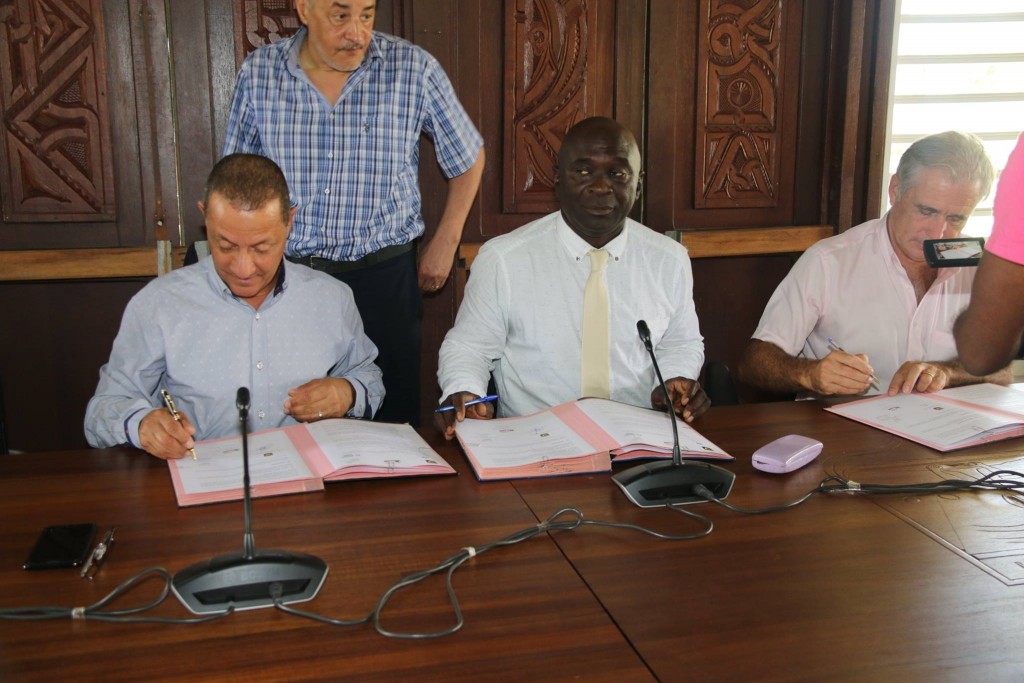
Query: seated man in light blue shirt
x=242 y=317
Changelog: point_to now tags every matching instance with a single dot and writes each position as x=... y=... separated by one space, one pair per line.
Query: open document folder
x=574 y=438
x=946 y=420
x=301 y=458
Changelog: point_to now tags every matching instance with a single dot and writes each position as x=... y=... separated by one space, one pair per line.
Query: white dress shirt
x=523 y=311
x=853 y=288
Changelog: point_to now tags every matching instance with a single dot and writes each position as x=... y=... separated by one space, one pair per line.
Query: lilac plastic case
x=786 y=454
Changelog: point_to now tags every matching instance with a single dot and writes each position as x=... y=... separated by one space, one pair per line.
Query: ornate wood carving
x=553 y=78
x=739 y=85
x=57 y=164
x=261 y=22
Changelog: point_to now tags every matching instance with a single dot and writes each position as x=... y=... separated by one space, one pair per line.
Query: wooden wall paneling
x=558 y=70
x=57 y=133
x=852 y=77
x=50 y=367
x=881 y=51
x=670 y=112
x=863 y=36
x=261 y=22
x=132 y=224
x=813 y=144
x=728 y=320
x=544 y=117
x=630 y=102
x=56 y=160
x=189 y=75
x=158 y=166
x=740 y=77
x=743 y=61
x=220 y=45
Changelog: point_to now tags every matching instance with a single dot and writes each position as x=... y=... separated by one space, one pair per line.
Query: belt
x=331 y=267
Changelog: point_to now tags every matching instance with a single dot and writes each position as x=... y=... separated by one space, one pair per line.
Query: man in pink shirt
x=988 y=334
x=863 y=312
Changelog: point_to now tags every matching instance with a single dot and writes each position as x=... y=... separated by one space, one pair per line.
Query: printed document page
x=515 y=441
x=924 y=419
x=218 y=463
x=989 y=396
x=348 y=443
x=642 y=429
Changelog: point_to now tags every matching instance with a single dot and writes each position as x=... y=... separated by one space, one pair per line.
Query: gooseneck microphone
x=249 y=579
x=656 y=484
x=242 y=403
x=645 y=337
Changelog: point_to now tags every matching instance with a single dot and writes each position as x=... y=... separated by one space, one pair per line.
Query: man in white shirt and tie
x=551 y=308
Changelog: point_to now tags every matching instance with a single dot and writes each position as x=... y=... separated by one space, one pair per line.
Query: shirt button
x=259 y=365
x=330 y=155
x=327 y=191
x=257 y=316
x=261 y=415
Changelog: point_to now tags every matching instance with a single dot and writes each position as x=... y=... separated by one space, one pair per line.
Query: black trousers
x=389 y=301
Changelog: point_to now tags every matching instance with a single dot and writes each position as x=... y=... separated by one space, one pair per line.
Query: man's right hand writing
x=162 y=436
x=840 y=374
x=446 y=421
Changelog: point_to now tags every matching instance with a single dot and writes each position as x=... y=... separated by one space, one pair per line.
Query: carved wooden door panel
x=57 y=163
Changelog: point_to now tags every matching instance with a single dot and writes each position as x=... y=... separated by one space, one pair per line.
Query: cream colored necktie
x=594 y=352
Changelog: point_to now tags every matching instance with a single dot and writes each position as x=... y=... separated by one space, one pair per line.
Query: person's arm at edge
x=439 y=253
x=358 y=366
x=478 y=336
x=767 y=367
x=988 y=332
x=122 y=403
x=681 y=354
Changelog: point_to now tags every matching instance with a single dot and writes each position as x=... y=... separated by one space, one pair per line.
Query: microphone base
x=657 y=484
x=233 y=581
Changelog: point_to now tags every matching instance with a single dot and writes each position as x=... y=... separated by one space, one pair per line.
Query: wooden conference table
x=842 y=587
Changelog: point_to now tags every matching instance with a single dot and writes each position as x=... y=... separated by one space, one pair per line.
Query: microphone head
x=645 y=332
x=242 y=398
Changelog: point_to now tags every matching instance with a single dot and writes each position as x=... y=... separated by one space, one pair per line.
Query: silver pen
x=169 y=402
x=835 y=347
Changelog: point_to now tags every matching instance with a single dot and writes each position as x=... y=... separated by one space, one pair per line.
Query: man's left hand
x=319 y=399
x=436 y=263
x=922 y=376
x=688 y=398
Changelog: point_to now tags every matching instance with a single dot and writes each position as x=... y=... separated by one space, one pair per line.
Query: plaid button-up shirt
x=352 y=166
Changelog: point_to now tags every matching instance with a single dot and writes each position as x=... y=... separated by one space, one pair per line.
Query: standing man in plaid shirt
x=341 y=108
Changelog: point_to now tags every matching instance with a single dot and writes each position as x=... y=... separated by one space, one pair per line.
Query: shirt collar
x=578 y=248
x=220 y=288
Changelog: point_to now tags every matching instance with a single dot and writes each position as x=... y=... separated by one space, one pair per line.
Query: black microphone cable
x=998 y=480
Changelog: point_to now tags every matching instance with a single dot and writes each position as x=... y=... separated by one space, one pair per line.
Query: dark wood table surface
x=841 y=587
x=528 y=615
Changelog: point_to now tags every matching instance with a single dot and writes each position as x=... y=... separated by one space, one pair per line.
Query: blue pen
x=485 y=399
x=835 y=347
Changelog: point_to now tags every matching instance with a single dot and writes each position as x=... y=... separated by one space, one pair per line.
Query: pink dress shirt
x=1007 y=239
x=853 y=288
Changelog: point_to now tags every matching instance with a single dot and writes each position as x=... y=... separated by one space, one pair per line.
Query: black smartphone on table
x=955 y=252
x=65 y=545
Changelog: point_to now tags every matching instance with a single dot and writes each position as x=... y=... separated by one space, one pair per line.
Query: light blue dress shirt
x=352 y=165
x=185 y=332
